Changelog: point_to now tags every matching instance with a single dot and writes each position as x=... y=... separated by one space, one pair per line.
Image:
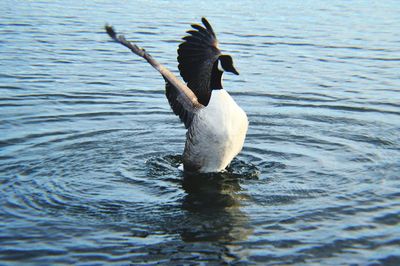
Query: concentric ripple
x=90 y=152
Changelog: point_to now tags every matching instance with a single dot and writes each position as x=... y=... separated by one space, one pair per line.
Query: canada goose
x=216 y=125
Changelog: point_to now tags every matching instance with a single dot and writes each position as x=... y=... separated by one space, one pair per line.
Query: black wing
x=185 y=114
x=196 y=57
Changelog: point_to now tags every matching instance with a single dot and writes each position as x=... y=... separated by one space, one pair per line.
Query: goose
x=216 y=125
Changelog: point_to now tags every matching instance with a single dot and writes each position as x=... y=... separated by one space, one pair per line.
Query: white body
x=216 y=134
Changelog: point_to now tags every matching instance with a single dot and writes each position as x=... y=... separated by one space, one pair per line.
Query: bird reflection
x=213 y=210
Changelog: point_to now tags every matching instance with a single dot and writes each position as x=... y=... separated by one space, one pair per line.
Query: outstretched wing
x=172 y=93
x=196 y=57
x=183 y=101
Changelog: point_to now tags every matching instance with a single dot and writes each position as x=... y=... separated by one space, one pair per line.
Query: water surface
x=89 y=149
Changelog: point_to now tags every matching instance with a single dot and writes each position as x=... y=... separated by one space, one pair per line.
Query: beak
x=234 y=71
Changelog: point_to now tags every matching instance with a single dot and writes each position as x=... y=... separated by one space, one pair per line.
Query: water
x=90 y=150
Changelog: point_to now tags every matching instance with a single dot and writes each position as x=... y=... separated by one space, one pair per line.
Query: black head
x=227 y=64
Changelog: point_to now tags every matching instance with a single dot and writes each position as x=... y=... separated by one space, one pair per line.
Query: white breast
x=216 y=134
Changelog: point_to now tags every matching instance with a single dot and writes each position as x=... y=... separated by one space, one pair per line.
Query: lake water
x=89 y=148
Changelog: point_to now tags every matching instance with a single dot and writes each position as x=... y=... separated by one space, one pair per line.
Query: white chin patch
x=220 y=66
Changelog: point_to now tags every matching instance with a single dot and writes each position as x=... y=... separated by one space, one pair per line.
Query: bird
x=216 y=125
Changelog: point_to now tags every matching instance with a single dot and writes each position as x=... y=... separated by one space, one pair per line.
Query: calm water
x=89 y=148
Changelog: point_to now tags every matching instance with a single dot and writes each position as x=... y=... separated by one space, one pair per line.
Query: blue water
x=89 y=149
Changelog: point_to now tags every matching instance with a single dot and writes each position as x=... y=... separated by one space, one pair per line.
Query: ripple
x=90 y=151
x=340 y=107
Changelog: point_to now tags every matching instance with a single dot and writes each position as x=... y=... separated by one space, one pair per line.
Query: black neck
x=216 y=77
